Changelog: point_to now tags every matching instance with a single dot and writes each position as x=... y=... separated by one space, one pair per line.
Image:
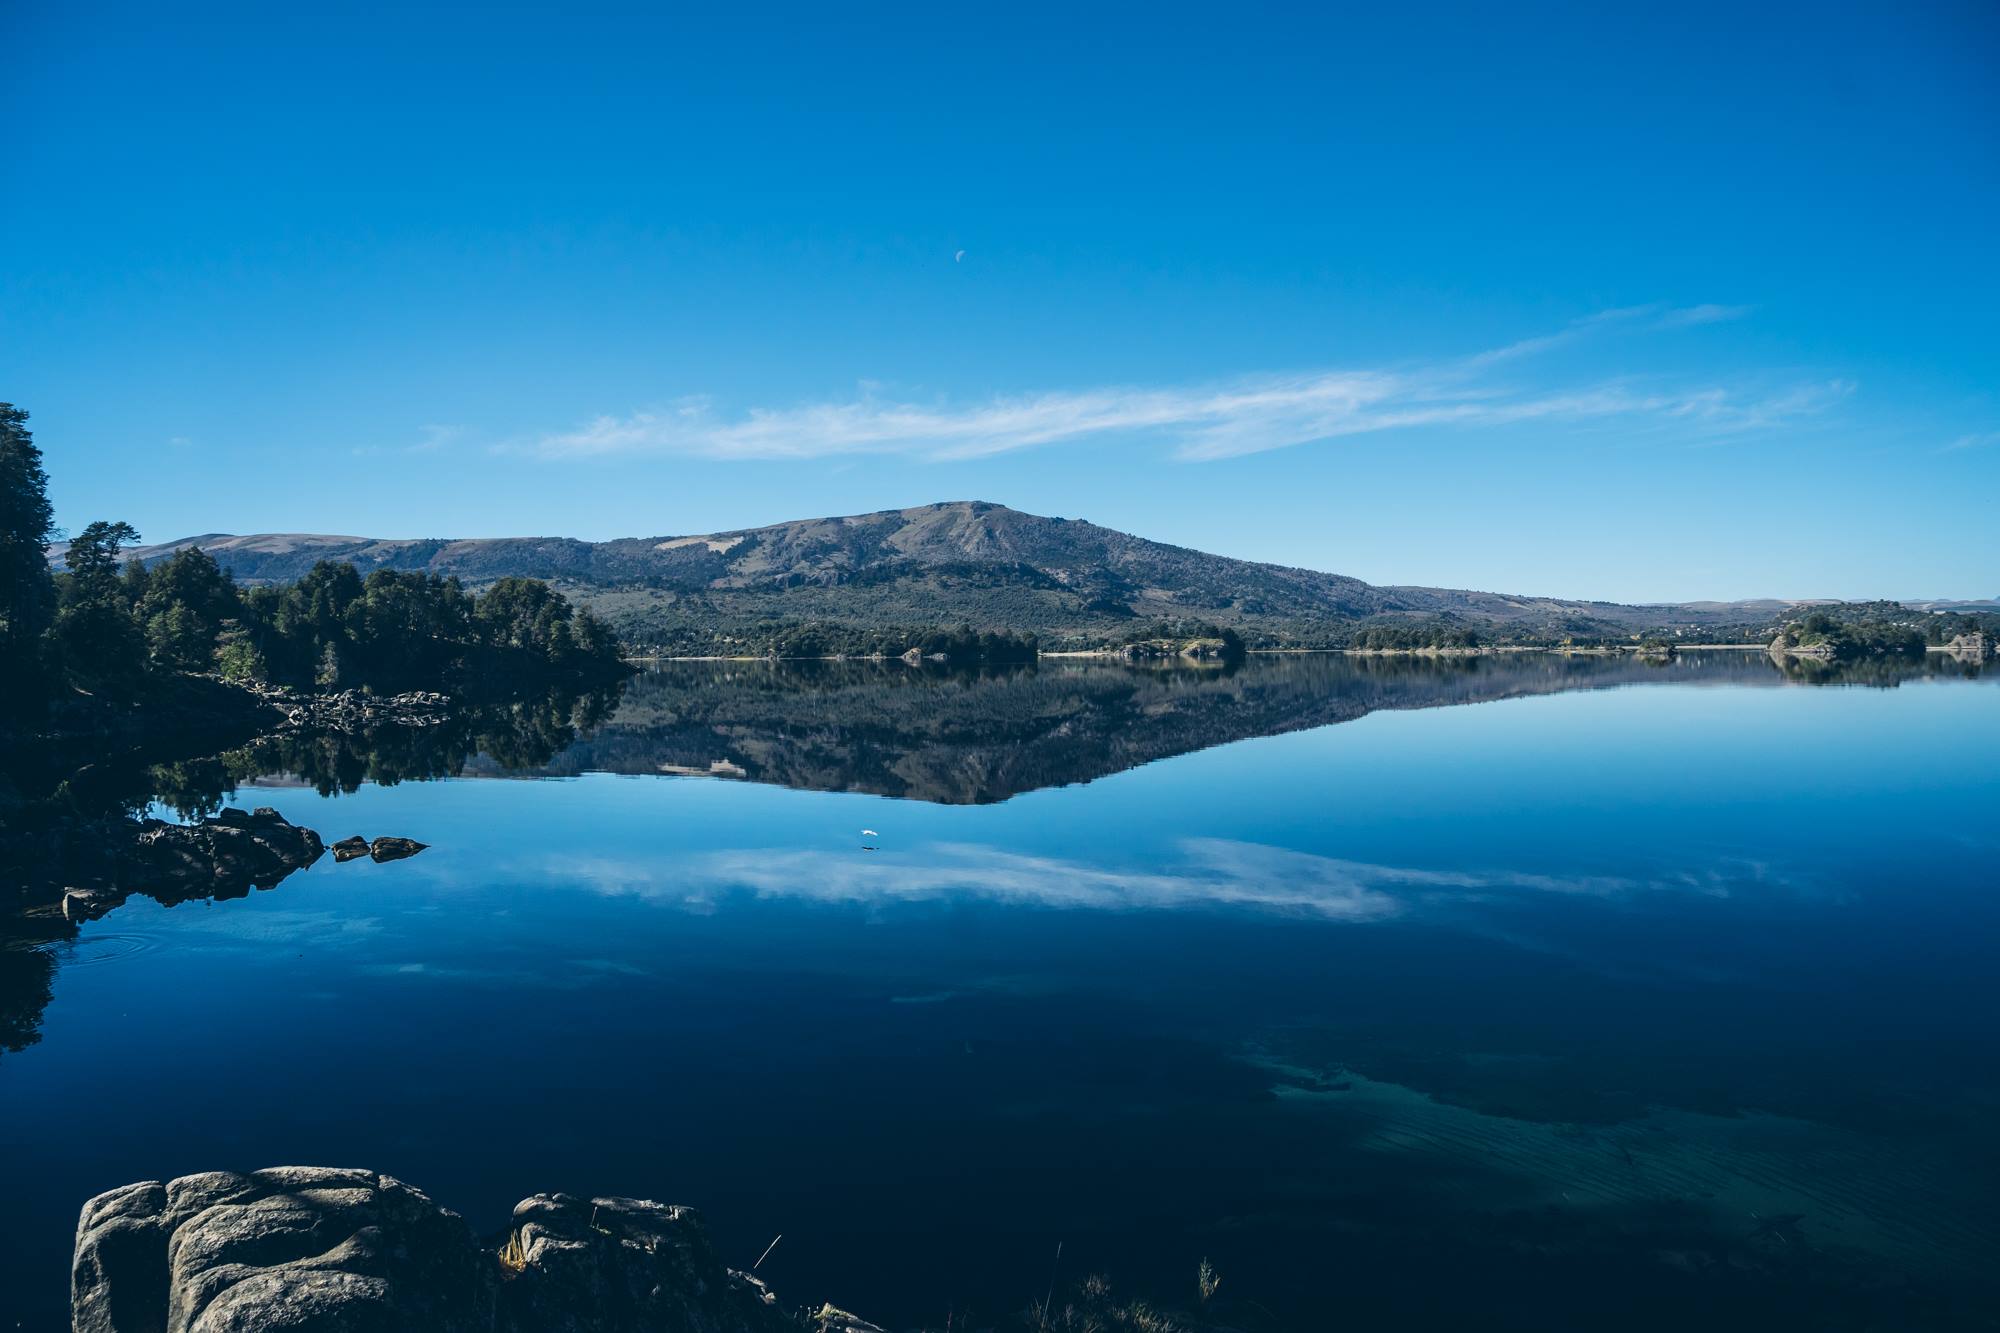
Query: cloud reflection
x=1204 y=873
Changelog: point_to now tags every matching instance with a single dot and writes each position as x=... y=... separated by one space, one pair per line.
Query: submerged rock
x=394 y=849
x=342 y=1251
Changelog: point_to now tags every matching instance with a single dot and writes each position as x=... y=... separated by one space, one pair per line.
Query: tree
x=522 y=613
x=237 y=656
x=184 y=601
x=410 y=629
x=96 y=641
x=27 y=593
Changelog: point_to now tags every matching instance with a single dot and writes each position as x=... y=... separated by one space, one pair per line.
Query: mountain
x=941 y=563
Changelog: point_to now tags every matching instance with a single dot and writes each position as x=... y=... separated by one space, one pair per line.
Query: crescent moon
x=958 y=258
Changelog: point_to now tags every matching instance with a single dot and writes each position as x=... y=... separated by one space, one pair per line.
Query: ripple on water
x=110 y=947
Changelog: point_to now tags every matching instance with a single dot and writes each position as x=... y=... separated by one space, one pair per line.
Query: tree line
x=1869 y=629
x=109 y=628
x=1413 y=635
x=960 y=644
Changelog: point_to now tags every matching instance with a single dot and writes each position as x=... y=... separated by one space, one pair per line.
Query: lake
x=1500 y=993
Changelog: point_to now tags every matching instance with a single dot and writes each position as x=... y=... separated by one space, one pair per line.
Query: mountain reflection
x=978 y=737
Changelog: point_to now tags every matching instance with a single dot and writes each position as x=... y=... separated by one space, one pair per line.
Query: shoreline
x=1113 y=654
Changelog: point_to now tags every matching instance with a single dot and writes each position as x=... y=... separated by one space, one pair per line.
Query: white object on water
x=870 y=833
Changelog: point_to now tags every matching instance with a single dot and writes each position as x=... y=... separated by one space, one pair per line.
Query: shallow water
x=1513 y=993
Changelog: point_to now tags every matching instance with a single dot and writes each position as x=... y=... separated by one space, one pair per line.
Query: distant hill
x=942 y=563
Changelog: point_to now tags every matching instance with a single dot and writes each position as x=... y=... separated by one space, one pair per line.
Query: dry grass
x=513 y=1258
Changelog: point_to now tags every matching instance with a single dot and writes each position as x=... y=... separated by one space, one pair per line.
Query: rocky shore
x=91 y=866
x=65 y=833
x=353 y=1251
x=353 y=710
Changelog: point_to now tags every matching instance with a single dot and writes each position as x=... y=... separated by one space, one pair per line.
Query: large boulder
x=296 y=1248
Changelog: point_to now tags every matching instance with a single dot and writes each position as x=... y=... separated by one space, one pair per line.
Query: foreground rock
x=340 y=1251
x=288 y=1248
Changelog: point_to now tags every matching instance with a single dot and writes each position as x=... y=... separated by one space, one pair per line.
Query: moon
x=958 y=258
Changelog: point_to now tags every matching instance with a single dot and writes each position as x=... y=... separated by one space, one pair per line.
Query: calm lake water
x=1513 y=993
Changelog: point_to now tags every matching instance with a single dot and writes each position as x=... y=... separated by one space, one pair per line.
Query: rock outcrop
x=590 y=1265
x=287 y=1248
x=223 y=857
x=394 y=849
x=345 y=1251
x=355 y=710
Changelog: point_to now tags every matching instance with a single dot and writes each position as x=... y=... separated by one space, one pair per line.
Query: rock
x=394 y=849
x=334 y=1251
x=90 y=903
x=356 y=710
x=349 y=848
x=87 y=867
x=599 y=1265
x=288 y=1248
x=223 y=857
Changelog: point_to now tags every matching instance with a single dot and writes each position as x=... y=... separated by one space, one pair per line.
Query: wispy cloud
x=1224 y=419
x=1206 y=873
x=1978 y=440
x=430 y=440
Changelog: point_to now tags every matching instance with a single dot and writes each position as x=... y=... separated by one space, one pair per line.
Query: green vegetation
x=1443 y=632
x=1180 y=638
x=1850 y=630
x=1943 y=626
x=27 y=596
x=118 y=638
x=961 y=645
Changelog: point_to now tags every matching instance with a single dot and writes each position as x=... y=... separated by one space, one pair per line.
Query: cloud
x=1701 y=314
x=1225 y=419
x=431 y=439
x=437 y=437
x=1979 y=440
x=1208 y=873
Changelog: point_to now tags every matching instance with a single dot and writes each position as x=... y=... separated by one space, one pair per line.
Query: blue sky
x=1669 y=302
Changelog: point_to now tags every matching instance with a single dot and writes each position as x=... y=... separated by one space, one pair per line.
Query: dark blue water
x=1515 y=995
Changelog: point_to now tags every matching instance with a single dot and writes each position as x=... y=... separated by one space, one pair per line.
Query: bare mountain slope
x=963 y=560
